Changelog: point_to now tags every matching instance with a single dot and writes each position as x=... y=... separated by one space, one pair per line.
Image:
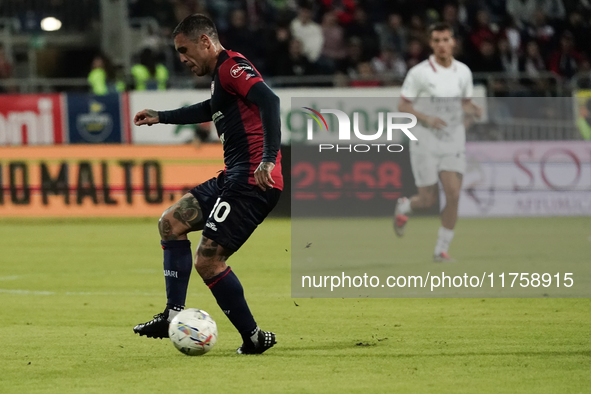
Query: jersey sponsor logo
x=238 y=69
x=212 y=226
x=217 y=116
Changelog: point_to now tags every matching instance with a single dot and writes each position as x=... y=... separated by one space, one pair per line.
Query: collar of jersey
x=222 y=57
x=438 y=66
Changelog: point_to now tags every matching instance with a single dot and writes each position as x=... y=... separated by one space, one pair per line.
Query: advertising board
x=101 y=180
x=530 y=178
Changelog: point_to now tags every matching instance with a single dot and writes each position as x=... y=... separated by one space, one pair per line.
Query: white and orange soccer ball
x=193 y=332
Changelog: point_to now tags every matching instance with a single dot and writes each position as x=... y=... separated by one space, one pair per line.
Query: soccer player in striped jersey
x=227 y=208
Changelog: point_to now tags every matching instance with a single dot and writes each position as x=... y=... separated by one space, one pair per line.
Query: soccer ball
x=193 y=332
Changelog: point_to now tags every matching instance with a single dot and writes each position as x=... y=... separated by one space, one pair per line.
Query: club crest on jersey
x=238 y=69
x=212 y=87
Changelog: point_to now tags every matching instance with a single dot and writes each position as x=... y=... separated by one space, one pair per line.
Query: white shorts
x=426 y=166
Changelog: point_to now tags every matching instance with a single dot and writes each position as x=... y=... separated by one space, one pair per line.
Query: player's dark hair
x=440 y=26
x=195 y=25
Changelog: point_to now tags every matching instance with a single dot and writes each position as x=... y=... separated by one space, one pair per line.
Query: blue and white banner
x=94 y=119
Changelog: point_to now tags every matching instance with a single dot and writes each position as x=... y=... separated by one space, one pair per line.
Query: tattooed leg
x=227 y=289
x=211 y=258
x=181 y=218
x=188 y=212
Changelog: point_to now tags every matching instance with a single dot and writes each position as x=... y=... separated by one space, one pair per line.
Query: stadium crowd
x=366 y=42
x=365 y=38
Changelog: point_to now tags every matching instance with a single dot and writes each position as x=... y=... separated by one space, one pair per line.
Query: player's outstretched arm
x=146 y=116
x=269 y=108
x=193 y=114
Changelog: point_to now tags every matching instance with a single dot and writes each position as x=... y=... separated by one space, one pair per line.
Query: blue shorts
x=233 y=210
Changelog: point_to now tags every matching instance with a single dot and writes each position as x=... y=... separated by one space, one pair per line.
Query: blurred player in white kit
x=438 y=92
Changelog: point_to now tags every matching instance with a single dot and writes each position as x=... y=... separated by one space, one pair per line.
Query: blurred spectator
x=450 y=15
x=237 y=37
x=583 y=79
x=496 y=10
x=365 y=76
x=541 y=32
x=333 y=49
x=296 y=64
x=553 y=9
x=103 y=78
x=533 y=65
x=161 y=10
x=584 y=119
x=343 y=9
x=565 y=60
x=577 y=25
x=523 y=11
x=5 y=70
x=389 y=62
x=415 y=53
x=217 y=10
x=279 y=5
x=362 y=28
x=149 y=74
x=308 y=32
x=509 y=58
x=532 y=62
x=513 y=34
x=259 y=13
x=354 y=57
x=393 y=33
x=487 y=59
x=240 y=38
x=463 y=13
x=278 y=50
x=184 y=8
x=417 y=30
x=482 y=31
x=460 y=53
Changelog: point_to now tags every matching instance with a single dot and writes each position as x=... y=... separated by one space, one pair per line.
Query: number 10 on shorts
x=220 y=211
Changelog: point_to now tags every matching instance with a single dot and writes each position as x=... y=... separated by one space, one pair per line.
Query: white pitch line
x=75 y=293
x=12 y=277
x=26 y=292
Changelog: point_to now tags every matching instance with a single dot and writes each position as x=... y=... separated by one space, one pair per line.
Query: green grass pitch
x=71 y=291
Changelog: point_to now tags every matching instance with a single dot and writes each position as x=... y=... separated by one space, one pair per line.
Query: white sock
x=404 y=206
x=255 y=337
x=443 y=240
x=172 y=313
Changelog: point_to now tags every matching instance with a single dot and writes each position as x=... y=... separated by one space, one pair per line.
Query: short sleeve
x=411 y=87
x=237 y=75
x=468 y=90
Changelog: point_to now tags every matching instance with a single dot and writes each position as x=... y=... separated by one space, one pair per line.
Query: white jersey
x=438 y=91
